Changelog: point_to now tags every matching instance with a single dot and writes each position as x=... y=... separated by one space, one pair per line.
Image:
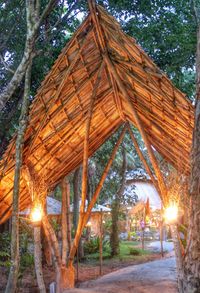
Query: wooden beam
x=143 y=160
x=85 y=216
x=64 y=221
x=86 y=140
x=112 y=70
x=161 y=182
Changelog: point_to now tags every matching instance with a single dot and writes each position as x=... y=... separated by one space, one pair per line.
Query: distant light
x=36 y=214
x=171 y=213
x=89 y=224
x=104 y=222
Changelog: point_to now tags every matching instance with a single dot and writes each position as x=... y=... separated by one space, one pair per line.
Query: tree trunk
x=38 y=259
x=34 y=21
x=192 y=258
x=85 y=217
x=13 y=275
x=114 y=237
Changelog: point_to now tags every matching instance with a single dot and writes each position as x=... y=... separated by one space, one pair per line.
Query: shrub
x=92 y=245
x=134 y=251
x=27 y=260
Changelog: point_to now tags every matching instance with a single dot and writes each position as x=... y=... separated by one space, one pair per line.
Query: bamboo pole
x=86 y=140
x=101 y=243
x=143 y=160
x=112 y=70
x=69 y=238
x=64 y=221
x=53 y=238
x=86 y=215
x=139 y=124
x=161 y=238
x=38 y=259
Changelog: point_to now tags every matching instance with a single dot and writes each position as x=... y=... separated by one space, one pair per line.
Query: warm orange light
x=36 y=214
x=171 y=213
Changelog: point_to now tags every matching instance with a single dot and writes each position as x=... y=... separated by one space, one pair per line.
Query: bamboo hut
x=101 y=80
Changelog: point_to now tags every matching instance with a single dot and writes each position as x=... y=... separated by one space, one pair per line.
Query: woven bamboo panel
x=57 y=118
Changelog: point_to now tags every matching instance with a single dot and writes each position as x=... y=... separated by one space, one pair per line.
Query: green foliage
x=134 y=251
x=92 y=245
x=107 y=225
x=55 y=225
x=4 y=259
x=26 y=261
x=5 y=239
x=167 y=32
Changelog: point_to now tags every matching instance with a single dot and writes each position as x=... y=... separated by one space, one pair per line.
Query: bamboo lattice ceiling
x=55 y=133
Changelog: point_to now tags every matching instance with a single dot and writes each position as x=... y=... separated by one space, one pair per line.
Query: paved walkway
x=153 y=277
x=155 y=246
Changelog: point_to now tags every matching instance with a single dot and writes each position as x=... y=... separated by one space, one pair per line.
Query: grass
x=125 y=253
x=127 y=246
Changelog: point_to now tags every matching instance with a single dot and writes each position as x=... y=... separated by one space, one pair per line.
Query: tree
x=114 y=237
x=192 y=258
x=13 y=275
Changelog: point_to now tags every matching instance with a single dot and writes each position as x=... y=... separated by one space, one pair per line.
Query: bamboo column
x=94 y=198
x=100 y=243
x=64 y=221
x=86 y=141
x=69 y=238
x=38 y=258
x=139 y=124
x=113 y=72
x=142 y=158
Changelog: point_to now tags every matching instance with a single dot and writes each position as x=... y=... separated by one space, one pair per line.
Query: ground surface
x=155 y=246
x=89 y=269
x=152 y=277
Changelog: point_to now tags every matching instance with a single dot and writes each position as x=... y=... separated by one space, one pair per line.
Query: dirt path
x=152 y=277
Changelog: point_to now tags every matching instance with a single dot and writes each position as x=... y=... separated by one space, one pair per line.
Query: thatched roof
x=55 y=134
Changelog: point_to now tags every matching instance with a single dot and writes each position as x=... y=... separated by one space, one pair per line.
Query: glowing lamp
x=171 y=213
x=36 y=215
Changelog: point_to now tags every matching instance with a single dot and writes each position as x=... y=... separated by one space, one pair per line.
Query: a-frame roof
x=55 y=134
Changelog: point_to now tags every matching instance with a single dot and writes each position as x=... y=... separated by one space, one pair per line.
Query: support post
x=101 y=243
x=86 y=215
x=179 y=257
x=69 y=238
x=161 y=238
x=38 y=259
x=143 y=160
x=86 y=140
x=139 y=124
x=64 y=221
